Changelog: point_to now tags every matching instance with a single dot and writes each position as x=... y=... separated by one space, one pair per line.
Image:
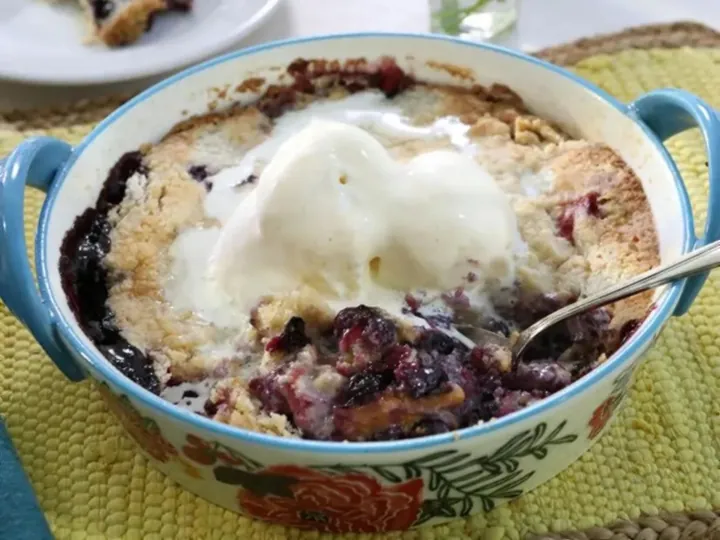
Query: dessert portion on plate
x=122 y=22
x=297 y=266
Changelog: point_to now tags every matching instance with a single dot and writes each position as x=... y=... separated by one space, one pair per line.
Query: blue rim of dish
x=661 y=311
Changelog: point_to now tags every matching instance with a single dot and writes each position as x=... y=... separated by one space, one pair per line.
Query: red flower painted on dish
x=602 y=415
x=335 y=503
x=144 y=431
x=206 y=453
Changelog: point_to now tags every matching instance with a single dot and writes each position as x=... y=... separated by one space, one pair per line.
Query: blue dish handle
x=668 y=112
x=34 y=163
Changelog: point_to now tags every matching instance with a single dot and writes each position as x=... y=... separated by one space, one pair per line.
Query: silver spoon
x=697 y=261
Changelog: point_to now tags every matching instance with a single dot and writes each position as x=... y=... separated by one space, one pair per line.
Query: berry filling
x=291 y=340
x=394 y=388
x=589 y=204
x=85 y=278
x=363 y=335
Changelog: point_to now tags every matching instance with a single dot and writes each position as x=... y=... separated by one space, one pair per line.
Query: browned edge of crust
x=130 y=23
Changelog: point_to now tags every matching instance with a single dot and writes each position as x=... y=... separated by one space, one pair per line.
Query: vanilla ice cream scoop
x=333 y=211
x=449 y=218
x=311 y=221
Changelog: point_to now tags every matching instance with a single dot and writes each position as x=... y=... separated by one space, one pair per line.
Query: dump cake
x=121 y=22
x=299 y=266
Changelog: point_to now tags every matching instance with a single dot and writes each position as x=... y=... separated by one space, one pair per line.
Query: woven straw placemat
x=657 y=470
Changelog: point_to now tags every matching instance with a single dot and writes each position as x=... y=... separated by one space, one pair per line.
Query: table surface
x=542 y=23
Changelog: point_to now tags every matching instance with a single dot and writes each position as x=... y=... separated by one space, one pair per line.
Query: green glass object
x=483 y=20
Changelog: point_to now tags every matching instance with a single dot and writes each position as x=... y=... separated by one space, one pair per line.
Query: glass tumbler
x=479 y=20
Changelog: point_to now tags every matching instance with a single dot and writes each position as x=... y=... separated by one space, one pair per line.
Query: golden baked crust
x=129 y=22
x=620 y=244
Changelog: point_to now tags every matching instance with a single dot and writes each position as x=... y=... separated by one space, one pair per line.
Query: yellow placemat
x=662 y=455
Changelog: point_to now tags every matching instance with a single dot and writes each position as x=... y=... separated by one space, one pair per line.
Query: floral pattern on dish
x=144 y=431
x=605 y=411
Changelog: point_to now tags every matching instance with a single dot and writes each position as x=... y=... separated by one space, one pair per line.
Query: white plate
x=43 y=43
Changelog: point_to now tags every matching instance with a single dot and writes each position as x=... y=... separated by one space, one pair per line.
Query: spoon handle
x=697 y=261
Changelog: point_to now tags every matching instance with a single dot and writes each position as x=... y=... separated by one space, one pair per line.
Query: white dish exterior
x=45 y=42
x=359 y=487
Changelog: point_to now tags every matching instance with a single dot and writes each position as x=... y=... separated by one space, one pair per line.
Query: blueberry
x=497 y=325
x=363 y=385
x=113 y=190
x=436 y=341
x=292 y=338
x=210 y=408
x=480 y=406
x=132 y=363
x=364 y=334
x=430 y=425
x=588 y=326
x=102 y=9
x=543 y=376
x=198 y=172
x=377 y=329
x=422 y=376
